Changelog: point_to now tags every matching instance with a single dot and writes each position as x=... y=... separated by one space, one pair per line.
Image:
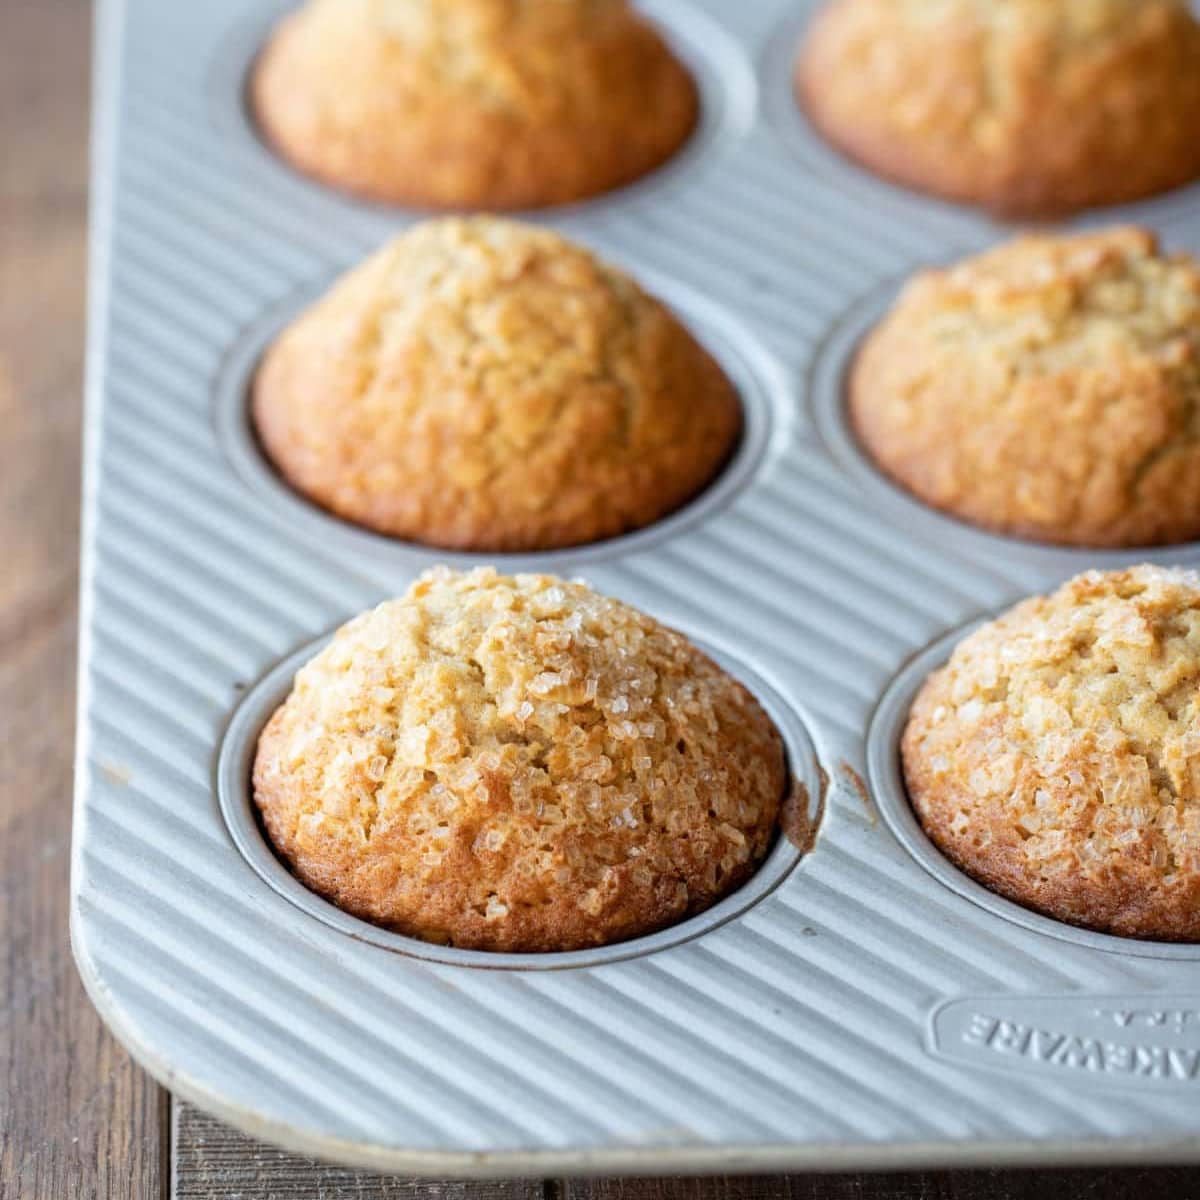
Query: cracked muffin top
x=480 y=384
x=518 y=764
x=1028 y=107
x=494 y=104
x=1048 y=389
x=1056 y=757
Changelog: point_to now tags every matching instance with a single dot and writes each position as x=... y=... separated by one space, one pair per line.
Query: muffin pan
x=865 y=1006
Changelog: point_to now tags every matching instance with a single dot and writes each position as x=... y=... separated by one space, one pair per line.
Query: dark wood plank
x=1125 y=1184
x=77 y=1119
x=213 y=1161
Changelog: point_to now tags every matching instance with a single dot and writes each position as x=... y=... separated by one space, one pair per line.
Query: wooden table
x=77 y=1118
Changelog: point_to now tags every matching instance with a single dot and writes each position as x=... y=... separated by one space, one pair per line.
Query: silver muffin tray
x=862 y=1005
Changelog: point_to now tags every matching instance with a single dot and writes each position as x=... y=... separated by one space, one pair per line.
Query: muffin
x=1048 y=389
x=1027 y=107
x=493 y=104
x=518 y=764
x=485 y=385
x=1056 y=758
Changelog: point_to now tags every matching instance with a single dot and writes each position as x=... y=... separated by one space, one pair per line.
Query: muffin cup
x=948 y=221
x=723 y=78
x=828 y=399
x=765 y=399
x=886 y=780
x=235 y=759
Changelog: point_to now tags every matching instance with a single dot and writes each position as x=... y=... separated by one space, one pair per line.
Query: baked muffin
x=1049 y=389
x=484 y=385
x=494 y=104
x=1056 y=758
x=518 y=764
x=1028 y=107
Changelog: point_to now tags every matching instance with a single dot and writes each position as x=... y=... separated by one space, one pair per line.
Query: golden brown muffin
x=494 y=104
x=1048 y=389
x=1028 y=107
x=1056 y=758
x=484 y=385
x=518 y=764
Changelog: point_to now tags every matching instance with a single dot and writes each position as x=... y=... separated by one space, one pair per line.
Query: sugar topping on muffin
x=493 y=104
x=482 y=384
x=1049 y=389
x=1056 y=757
x=1029 y=107
x=519 y=764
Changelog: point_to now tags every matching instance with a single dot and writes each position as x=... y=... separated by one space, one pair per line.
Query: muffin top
x=481 y=384
x=1057 y=756
x=1048 y=389
x=518 y=764
x=473 y=103
x=1030 y=107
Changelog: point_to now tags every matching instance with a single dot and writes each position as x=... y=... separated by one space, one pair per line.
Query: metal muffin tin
x=865 y=1006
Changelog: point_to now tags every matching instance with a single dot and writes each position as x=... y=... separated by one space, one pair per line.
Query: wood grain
x=211 y=1161
x=1127 y=1184
x=77 y=1119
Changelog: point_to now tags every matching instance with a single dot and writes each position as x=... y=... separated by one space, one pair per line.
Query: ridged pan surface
x=863 y=1006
